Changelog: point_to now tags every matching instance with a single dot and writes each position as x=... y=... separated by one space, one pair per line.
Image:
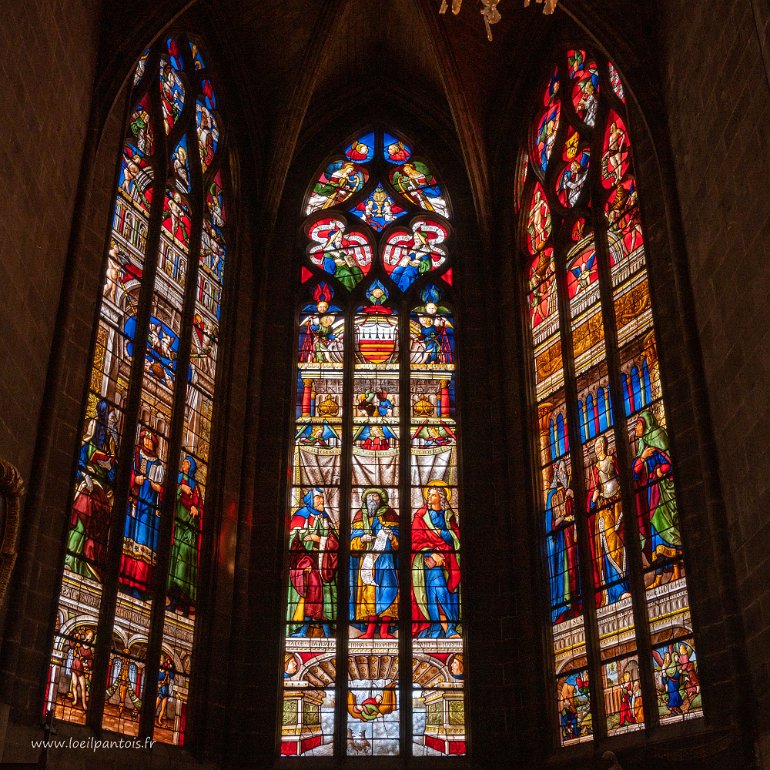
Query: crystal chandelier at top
x=490 y=13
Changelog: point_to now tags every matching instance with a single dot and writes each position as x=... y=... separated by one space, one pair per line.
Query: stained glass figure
x=357 y=338
x=623 y=507
x=172 y=94
x=585 y=89
x=378 y=210
x=361 y=150
x=395 y=150
x=343 y=253
x=141 y=127
x=408 y=255
x=415 y=180
x=574 y=175
x=339 y=180
x=548 y=123
x=166 y=477
x=208 y=131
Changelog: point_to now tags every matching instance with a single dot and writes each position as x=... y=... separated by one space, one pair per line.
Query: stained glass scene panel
x=415 y=181
x=582 y=273
x=141 y=126
x=677 y=681
x=309 y=674
x=573 y=688
x=208 y=133
x=172 y=93
x=438 y=698
x=572 y=179
x=433 y=401
x=623 y=704
x=585 y=89
x=378 y=209
x=340 y=251
x=337 y=182
x=408 y=254
x=373 y=714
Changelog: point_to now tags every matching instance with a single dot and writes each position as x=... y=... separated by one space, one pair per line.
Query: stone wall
x=715 y=85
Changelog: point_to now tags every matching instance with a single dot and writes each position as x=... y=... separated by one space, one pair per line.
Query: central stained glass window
x=373 y=652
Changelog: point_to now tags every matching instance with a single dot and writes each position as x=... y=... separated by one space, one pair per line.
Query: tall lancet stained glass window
x=373 y=653
x=125 y=622
x=623 y=650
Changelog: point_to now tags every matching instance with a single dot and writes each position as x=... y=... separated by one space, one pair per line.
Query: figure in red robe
x=436 y=566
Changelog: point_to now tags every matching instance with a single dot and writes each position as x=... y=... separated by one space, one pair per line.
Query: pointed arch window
x=127 y=605
x=373 y=652
x=623 y=650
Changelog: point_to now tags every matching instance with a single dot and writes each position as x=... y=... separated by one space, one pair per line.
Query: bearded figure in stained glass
x=140 y=534
x=604 y=501
x=373 y=569
x=183 y=568
x=561 y=545
x=436 y=566
x=313 y=559
x=656 y=500
x=91 y=509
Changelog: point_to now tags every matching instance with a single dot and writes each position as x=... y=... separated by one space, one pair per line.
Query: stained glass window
x=139 y=502
x=373 y=543
x=623 y=652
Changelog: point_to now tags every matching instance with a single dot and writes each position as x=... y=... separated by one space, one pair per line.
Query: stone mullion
x=132 y=405
x=343 y=565
x=405 y=541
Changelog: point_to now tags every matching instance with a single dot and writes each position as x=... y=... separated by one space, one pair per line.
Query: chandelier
x=490 y=13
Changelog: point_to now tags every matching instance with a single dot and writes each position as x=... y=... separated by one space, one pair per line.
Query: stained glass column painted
x=310 y=651
x=373 y=646
x=438 y=661
x=582 y=222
